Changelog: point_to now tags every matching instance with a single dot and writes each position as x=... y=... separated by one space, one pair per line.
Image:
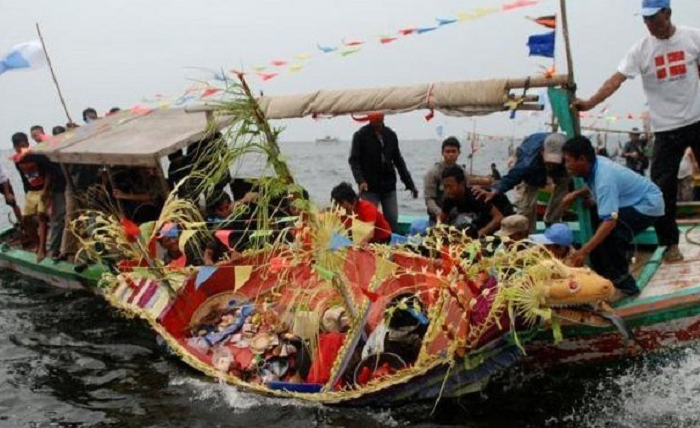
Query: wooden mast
x=53 y=74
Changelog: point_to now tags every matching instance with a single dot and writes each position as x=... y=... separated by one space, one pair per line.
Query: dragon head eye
x=574 y=286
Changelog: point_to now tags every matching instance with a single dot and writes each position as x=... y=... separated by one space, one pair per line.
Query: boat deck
x=670 y=278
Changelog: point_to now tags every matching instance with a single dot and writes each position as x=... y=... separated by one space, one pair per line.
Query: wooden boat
x=327 y=139
x=60 y=274
x=665 y=315
x=296 y=323
x=139 y=138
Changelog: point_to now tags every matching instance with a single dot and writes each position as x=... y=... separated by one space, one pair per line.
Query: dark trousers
x=609 y=259
x=389 y=203
x=668 y=151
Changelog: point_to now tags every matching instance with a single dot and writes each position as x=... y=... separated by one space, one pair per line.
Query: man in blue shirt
x=627 y=203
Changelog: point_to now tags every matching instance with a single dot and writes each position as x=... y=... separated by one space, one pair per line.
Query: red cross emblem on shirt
x=670 y=65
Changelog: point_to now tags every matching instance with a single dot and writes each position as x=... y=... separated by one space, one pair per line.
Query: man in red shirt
x=364 y=211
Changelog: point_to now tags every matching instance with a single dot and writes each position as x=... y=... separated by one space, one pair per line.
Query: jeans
x=668 y=152
x=57 y=221
x=390 y=206
x=527 y=205
x=609 y=259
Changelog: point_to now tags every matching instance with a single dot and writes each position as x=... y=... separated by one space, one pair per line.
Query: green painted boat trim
x=26 y=260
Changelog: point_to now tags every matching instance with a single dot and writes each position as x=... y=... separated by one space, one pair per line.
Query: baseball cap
x=652 y=7
x=514 y=224
x=552 y=148
x=556 y=234
x=169 y=230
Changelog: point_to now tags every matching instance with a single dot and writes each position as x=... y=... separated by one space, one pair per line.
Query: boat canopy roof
x=133 y=138
x=468 y=98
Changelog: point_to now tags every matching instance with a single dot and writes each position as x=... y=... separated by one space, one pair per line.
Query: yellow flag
x=361 y=231
x=242 y=275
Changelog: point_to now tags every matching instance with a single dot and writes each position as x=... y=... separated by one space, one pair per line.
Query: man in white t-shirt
x=667 y=61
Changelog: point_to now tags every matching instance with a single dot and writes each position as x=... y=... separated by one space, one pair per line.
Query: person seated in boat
x=355 y=208
x=90 y=115
x=627 y=203
x=537 y=159
x=463 y=210
x=34 y=170
x=58 y=130
x=219 y=212
x=169 y=239
x=432 y=181
x=515 y=227
x=138 y=192
x=557 y=239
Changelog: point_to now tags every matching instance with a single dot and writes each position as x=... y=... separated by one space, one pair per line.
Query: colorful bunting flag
x=278 y=62
x=385 y=40
x=356 y=42
x=425 y=30
x=203 y=274
x=542 y=44
x=407 y=31
x=326 y=49
x=518 y=4
x=266 y=76
x=446 y=21
x=549 y=21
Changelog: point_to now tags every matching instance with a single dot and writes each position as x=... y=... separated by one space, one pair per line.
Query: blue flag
x=542 y=44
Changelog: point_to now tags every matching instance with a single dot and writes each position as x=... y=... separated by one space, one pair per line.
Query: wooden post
x=583 y=213
x=53 y=75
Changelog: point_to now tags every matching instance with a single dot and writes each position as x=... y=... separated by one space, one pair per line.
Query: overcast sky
x=116 y=53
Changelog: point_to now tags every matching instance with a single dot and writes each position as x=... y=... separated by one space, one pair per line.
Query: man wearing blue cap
x=667 y=60
x=557 y=238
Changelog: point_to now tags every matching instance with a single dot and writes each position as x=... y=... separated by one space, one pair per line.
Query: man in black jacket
x=374 y=156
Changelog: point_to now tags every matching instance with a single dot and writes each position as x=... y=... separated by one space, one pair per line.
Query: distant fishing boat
x=328 y=139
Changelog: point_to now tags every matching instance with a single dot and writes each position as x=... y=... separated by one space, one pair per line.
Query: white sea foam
x=658 y=391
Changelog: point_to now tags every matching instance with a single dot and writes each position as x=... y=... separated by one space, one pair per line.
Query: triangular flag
x=425 y=30
x=278 y=62
x=203 y=274
x=446 y=21
x=339 y=242
x=209 y=92
x=346 y=52
x=326 y=49
x=131 y=230
x=361 y=231
x=323 y=272
x=518 y=4
x=243 y=274
x=353 y=42
x=407 y=31
x=549 y=21
x=266 y=76
x=385 y=40
x=223 y=236
x=303 y=55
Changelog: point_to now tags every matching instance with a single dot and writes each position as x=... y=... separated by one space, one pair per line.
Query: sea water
x=68 y=360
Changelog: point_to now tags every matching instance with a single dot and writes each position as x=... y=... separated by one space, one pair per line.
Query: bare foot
x=40 y=255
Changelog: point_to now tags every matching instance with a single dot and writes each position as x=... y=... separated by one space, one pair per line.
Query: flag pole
x=53 y=74
x=571 y=85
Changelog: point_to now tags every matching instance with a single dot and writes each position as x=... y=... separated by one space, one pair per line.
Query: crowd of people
x=623 y=200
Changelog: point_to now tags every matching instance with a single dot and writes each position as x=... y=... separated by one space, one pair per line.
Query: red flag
x=549 y=21
x=131 y=230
